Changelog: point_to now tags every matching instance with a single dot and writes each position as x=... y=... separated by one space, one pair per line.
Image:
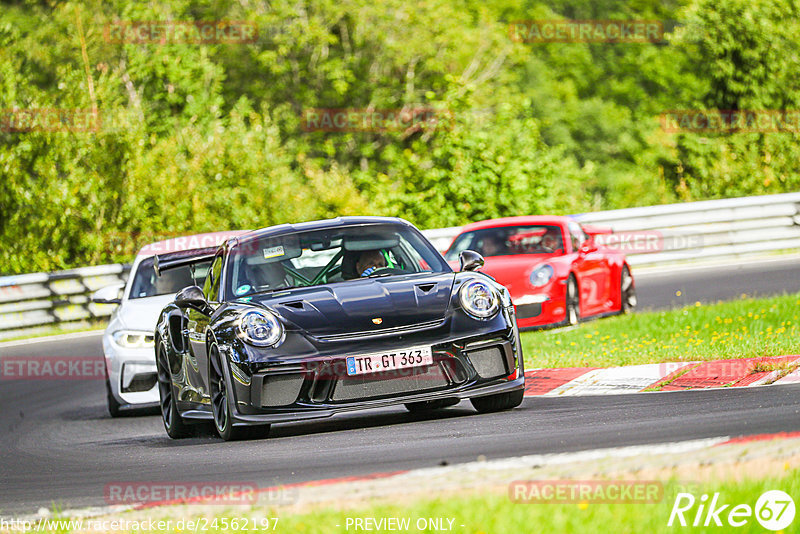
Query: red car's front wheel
x=627 y=291
x=573 y=302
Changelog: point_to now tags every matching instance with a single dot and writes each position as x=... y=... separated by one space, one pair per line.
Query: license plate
x=389 y=361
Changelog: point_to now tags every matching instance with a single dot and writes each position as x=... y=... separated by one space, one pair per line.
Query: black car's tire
x=573 y=302
x=173 y=422
x=499 y=402
x=628 y=300
x=220 y=405
x=428 y=406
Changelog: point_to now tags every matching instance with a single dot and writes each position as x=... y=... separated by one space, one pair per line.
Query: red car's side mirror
x=588 y=246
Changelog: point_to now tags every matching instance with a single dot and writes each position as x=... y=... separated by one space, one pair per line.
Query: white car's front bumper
x=131 y=373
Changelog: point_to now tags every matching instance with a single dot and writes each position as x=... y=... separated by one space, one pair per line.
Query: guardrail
x=654 y=235
x=670 y=233
x=728 y=228
x=34 y=300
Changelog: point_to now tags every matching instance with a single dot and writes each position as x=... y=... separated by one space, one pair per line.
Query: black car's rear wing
x=165 y=262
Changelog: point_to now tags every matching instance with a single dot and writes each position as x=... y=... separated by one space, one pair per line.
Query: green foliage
x=199 y=137
x=749 y=54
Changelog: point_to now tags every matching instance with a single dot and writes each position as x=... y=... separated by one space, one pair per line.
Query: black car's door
x=197 y=324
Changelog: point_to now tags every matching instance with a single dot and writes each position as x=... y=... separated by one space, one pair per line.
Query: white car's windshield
x=147 y=284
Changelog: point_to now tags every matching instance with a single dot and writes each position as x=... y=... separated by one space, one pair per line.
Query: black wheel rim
x=219 y=393
x=165 y=387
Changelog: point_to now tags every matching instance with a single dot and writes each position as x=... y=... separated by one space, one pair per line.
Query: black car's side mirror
x=470 y=260
x=192 y=297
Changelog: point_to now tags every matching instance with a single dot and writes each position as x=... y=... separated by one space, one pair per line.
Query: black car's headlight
x=541 y=275
x=260 y=328
x=479 y=299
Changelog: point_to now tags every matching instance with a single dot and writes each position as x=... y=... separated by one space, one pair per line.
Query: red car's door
x=593 y=271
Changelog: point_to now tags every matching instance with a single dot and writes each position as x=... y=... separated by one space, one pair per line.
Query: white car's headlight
x=541 y=275
x=479 y=299
x=261 y=328
x=132 y=339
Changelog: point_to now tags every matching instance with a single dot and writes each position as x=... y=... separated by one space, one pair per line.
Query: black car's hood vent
x=363 y=305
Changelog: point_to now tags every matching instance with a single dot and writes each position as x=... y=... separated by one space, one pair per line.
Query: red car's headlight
x=541 y=275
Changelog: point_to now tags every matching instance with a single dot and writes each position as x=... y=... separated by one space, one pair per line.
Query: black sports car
x=302 y=321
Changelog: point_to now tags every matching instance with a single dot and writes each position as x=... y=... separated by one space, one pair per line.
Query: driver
x=492 y=245
x=550 y=241
x=370 y=261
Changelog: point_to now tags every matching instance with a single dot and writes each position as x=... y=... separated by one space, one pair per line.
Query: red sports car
x=555 y=271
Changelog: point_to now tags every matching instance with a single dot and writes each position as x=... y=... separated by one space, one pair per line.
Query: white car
x=128 y=338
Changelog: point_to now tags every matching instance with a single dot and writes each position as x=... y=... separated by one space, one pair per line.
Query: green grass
x=495 y=513
x=742 y=328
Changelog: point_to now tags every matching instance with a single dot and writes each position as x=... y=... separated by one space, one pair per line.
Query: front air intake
x=488 y=362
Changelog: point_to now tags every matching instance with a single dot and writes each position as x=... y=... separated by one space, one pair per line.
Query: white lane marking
x=46 y=339
x=617 y=380
x=791 y=378
x=678 y=447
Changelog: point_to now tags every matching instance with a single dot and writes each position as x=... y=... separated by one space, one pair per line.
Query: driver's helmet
x=551 y=239
x=371 y=260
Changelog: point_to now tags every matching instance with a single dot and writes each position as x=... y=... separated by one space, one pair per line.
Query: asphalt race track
x=59 y=446
x=713 y=283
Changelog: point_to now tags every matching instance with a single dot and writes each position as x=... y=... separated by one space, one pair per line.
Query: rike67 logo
x=774 y=510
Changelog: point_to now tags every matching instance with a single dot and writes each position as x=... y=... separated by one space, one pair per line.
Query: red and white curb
x=674 y=376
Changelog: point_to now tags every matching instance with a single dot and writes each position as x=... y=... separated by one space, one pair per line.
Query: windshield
x=327 y=256
x=147 y=284
x=508 y=240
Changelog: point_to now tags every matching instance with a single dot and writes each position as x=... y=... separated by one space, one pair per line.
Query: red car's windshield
x=508 y=240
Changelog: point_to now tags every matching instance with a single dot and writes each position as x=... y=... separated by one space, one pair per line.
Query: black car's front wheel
x=220 y=406
x=173 y=422
x=499 y=402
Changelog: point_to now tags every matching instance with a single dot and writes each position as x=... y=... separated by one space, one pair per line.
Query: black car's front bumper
x=487 y=364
